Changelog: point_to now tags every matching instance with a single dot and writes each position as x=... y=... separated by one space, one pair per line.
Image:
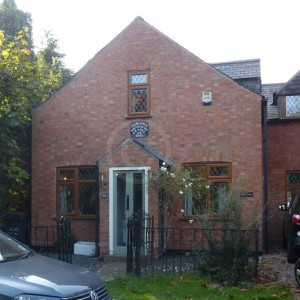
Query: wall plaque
x=139 y=129
x=247 y=194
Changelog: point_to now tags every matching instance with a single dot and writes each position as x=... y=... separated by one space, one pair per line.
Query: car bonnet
x=47 y=275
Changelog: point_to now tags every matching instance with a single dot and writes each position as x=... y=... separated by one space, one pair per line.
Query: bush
x=229 y=260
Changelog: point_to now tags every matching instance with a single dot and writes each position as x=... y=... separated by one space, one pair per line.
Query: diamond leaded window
x=138 y=93
x=211 y=199
x=292 y=184
x=77 y=191
x=292 y=106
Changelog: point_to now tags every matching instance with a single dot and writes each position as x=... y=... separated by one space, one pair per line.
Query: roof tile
x=239 y=69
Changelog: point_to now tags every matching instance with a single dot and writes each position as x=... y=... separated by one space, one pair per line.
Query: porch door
x=128 y=198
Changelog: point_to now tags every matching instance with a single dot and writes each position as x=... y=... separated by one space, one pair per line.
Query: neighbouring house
x=143 y=101
x=283 y=150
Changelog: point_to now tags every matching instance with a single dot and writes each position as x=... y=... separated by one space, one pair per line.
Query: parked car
x=26 y=275
x=297 y=272
x=291 y=228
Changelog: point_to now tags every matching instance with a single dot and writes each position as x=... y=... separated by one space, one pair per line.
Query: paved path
x=107 y=269
x=110 y=270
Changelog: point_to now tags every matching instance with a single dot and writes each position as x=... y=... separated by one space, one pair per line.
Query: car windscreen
x=11 y=249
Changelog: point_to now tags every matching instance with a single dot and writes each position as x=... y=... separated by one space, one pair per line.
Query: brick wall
x=86 y=119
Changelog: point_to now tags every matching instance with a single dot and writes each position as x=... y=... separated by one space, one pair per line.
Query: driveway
x=274 y=269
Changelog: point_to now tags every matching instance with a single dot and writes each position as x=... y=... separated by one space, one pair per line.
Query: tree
x=50 y=61
x=13 y=20
x=16 y=71
x=26 y=80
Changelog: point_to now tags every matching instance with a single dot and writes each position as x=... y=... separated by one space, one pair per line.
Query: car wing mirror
x=282 y=207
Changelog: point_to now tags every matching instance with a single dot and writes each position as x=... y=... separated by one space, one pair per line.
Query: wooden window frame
x=213 y=179
x=132 y=86
x=76 y=182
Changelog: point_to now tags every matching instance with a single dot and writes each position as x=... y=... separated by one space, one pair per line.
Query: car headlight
x=34 y=297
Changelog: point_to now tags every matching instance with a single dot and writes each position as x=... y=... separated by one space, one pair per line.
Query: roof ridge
x=139 y=18
x=236 y=61
x=275 y=83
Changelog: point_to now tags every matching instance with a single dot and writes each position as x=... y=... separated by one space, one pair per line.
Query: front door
x=128 y=198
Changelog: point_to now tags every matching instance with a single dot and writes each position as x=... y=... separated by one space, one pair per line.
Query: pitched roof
x=146 y=147
x=267 y=91
x=239 y=69
x=292 y=87
x=143 y=145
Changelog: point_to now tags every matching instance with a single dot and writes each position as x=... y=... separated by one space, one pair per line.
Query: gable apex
x=139 y=18
x=137 y=27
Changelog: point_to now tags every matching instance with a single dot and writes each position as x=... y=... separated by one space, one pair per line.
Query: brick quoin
x=87 y=118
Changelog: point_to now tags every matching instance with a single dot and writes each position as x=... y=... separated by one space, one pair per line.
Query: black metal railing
x=45 y=239
x=54 y=241
x=167 y=251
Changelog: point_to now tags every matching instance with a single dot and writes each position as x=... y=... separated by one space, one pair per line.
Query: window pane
x=293 y=185
x=137 y=192
x=87 y=198
x=292 y=106
x=66 y=198
x=121 y=211
x=67 y=174
x=218 y=196
x=219 y=171
x=139 y=100
x=195 y=195
x=139 y=79
x=88 y=174
x=195 y=172
x=199 y=203
x=293 y=178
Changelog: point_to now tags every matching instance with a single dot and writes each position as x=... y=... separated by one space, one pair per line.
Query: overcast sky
x=213 y=30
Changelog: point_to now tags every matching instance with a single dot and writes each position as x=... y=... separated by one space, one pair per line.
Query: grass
x=189 y=288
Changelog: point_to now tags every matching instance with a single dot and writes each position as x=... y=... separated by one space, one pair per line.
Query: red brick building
x=141 y=101
x=283 y=154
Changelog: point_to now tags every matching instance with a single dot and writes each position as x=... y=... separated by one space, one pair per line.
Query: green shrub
x=229 y=259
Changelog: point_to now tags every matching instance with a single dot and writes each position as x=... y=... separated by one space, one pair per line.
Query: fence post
x=256 y=232
x=129 y=247
x=63 y=237
x=137 y=227
x=138 y=241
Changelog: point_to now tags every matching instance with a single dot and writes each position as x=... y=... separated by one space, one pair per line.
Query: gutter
x=264 y=113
